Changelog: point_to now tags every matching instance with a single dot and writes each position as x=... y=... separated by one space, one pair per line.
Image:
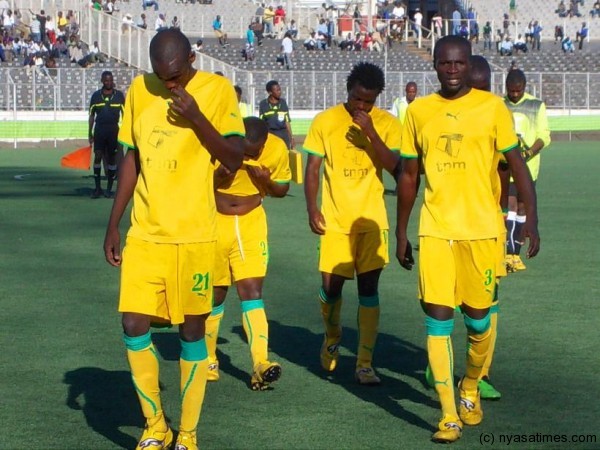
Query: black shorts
x=106 y=145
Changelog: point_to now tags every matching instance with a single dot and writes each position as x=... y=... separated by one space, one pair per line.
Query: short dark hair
x=168 y=42
x=516 y=76
x=448 y=40
x=368 y=75
x=271 y=84
x=256 y=129
x=106 y=73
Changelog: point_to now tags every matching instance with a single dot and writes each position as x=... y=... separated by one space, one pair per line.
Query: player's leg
x=190 y=298
x=226 y=244
x=336 y=265
x=520 y=220
x=511 y=228
x=97 y=166
x=476 y=279
x=111 y=162
x=371 y=254
x=437 y=280
x=256 y=327
x=138 y=302
x=213 y=324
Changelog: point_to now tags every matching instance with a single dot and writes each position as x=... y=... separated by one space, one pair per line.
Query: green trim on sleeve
x=234 y=133
x=129 y=146
x=395 y=150
x=281 y=181
x=405 y=156
x=512 y=147
x=312 y=152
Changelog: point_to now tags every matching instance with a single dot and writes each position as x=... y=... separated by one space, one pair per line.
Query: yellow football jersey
x=531 y=123
x=352 y=194
x=173 y=201
x=460 y=141
x=274 y=157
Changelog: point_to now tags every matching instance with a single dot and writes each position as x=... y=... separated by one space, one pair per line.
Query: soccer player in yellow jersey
x=176 y=122
x=460 y=133
x=356 y=141
x=531 y=124
x=242 y=247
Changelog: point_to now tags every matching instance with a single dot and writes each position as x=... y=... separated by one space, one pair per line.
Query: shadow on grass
x=301 y=347
x=108 y=401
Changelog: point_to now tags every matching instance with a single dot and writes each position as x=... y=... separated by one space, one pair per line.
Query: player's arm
x=311 y=190
x=504 y=174
x=128 y=174
x=91 y=124
x=261 y=177
x=388 y=158
x=526 y=190
x=407 y=192
x=228 y=150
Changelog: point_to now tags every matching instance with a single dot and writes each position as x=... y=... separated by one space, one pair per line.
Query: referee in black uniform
x=106 y=108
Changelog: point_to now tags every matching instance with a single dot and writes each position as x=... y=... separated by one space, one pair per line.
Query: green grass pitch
x=65 y=380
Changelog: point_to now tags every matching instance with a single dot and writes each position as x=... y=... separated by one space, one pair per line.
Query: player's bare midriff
x=236 y=205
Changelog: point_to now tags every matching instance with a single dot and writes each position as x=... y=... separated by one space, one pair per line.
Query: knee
x=193 y=328
x=135 y=324
x=477 y=326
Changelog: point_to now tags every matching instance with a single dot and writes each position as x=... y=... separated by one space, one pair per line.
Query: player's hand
x=316 y=222
x=91 y=140
x=183 y=104
x=292 y=143
x=404 y=253
x=223 y=176
x=112 y=247
x=261 y=177
x=530 y=231
x=363 y=120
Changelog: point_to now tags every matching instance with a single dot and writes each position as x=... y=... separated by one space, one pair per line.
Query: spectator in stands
x=456 y=21
x=73 y=25
x=198 y=46
x=323 y=33
x=293 y=29
x=8 y=21
x=149 y=3
x=399 y=11
x=474 y=31
x=537 y=36
x=268 y=17
x=141 y=22
x=512 y=9
x=574 y=9
x=310 y=43
x=561 y=10
x=41 y=17
x=582 y=35
x=60 y=48
x=257 y=29
x=487 y=36
x=506 y=48
x=356 y=19
x=567 y=45
x=175 y=23
x=463 y=31
x=219 y=33
x=95 y=55
x=279 y=21
x=50 y=29
x=367 y=43
x=520 y=45
x=347 y=44
x=36 y=27
x=61 y=24
x=160 y=23
x=418 y=22
x=505 y=24
x=595 y=11
x=559 y=33
x=259 y=13
x=126 y=23
x=358 y=41
x=274 y=110
x=436 y=24
x=287 y=50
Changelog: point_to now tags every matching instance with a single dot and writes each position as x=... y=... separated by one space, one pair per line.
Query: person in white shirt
x=398 y=12
x=400 y=105
x=127 y=23
x=160 y=23
x=418 y=19
x=287 y=49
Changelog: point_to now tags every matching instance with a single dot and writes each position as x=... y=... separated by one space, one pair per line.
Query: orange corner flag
x=79 y=159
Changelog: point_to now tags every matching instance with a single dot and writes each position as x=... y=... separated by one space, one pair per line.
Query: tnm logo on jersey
x=450 y=144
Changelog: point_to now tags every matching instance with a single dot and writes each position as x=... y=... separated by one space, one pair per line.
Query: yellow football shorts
x=242 y=247
x=455 y=272
x=343 y=254
x=167 y=280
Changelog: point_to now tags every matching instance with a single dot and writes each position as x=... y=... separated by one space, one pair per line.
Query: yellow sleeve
x=280 y=172
x=506 y=137
x=393 y=136
x=314 y=143
x=231 y=123
x=409 y=144
x=542 y=130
